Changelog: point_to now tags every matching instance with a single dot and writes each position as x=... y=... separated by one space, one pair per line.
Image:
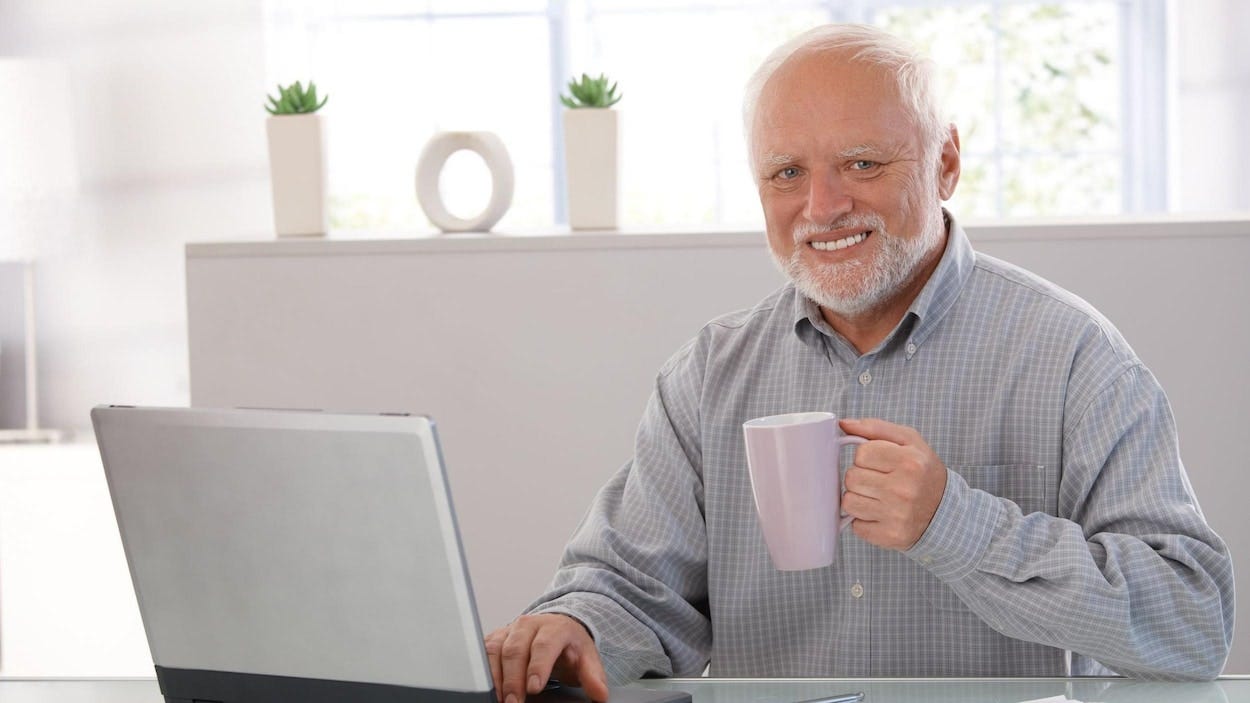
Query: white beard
x=849 y=289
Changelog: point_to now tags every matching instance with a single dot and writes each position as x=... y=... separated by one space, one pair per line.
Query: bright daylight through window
x=1061 y=105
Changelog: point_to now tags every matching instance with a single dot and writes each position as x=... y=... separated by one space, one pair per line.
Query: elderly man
x=1021 y=508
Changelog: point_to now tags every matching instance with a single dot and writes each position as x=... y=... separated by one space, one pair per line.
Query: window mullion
x=1143 y=129
x=558 y=20
x=1000 y=171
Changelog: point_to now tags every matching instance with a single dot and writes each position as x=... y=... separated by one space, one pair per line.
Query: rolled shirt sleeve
x=635 y=571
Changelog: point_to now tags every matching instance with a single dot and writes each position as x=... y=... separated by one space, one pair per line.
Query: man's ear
x=948 y=173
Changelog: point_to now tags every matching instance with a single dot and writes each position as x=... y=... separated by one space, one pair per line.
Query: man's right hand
x=533 y=648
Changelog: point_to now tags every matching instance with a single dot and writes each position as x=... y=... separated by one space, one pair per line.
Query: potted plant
x=591 y=153
x=297 y=160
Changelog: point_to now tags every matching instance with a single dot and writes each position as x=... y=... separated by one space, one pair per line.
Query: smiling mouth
x=841 y=243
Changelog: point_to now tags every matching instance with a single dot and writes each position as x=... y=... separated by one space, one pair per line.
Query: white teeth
x=841 y=243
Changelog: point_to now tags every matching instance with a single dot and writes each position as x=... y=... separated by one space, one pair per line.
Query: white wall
x=170 y=141
x=67 y=607
x=1211 y=145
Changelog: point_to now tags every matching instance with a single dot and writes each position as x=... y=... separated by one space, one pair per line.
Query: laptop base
x=199 y=686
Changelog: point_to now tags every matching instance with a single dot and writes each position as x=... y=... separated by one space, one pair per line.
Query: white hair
x=912 y=72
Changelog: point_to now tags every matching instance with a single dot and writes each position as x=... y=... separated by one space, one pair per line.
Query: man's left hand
x=895 y=486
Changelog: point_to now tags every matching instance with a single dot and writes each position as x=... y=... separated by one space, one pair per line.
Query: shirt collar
x=945 y=285
x=935 y=300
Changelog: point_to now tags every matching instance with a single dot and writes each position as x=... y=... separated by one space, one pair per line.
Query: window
x=1061 y=105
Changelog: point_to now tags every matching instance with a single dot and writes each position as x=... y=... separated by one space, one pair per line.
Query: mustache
x=858 y=221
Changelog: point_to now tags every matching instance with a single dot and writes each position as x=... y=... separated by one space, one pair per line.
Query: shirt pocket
x=1030 y=486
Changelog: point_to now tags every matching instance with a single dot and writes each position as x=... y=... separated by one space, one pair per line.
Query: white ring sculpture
x=430 y=166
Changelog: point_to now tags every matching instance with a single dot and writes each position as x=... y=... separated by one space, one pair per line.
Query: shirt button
x=865 y=378
x=911 y=349
x=857 y=591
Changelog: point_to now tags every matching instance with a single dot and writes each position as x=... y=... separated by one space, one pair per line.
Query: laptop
x=298 y=555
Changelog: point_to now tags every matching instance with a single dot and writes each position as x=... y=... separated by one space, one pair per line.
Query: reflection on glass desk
x=1229 y=689
x=1232 y=689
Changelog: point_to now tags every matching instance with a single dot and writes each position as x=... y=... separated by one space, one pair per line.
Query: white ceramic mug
x=795 y=478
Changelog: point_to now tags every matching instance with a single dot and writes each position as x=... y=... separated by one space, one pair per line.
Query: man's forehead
x=839 y=68
x=845 y=133
x=774 y=148
x=820 y=79
x=851 y=152
x=828 y=105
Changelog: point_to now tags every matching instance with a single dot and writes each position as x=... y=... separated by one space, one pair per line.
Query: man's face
x=851 y=201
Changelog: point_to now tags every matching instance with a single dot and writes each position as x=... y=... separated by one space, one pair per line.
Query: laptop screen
x=289 y=555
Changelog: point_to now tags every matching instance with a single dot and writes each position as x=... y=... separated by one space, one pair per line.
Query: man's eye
x=863 y=165
x=788 y=173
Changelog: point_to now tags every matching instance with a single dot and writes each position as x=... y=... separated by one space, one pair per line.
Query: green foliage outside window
x=1035 y=91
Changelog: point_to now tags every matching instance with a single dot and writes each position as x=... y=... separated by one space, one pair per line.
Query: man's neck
x=867 y=330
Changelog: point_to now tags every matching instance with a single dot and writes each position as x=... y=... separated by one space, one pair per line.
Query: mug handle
x=842 y=442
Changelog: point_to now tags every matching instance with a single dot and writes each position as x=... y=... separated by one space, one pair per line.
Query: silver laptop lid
x=294 y=544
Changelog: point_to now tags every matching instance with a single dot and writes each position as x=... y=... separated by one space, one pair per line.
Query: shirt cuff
x=617 y=636
x=960 y=532
x=574 y=607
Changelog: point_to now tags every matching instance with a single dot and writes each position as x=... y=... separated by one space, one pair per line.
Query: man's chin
x=841 y=298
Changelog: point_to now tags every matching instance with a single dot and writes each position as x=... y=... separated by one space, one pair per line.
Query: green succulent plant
x=294 y=100
x=590 y=92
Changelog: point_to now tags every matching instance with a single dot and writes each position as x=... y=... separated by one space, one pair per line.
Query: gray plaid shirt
x=1068 y=535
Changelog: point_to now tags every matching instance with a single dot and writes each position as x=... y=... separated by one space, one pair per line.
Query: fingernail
x=511 y=698
x=534 y=683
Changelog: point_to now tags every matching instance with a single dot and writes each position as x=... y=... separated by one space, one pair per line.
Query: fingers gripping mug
x=795 y=478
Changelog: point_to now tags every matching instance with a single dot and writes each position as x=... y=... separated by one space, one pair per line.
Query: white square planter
x=298 y=174
x=592 y=167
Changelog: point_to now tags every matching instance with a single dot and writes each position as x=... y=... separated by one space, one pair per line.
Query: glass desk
x=1230 y=689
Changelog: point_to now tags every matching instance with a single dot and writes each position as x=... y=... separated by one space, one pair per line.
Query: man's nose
x=827 y=199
